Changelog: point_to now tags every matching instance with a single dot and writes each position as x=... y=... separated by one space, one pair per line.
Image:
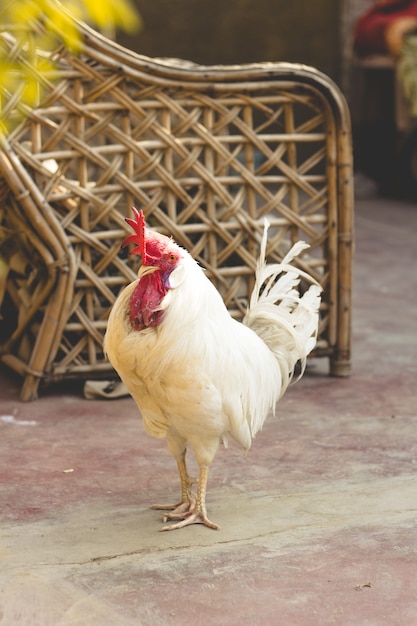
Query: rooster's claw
x=193 y=518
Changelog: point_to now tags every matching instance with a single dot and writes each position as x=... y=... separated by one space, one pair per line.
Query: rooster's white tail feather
x=286 y=321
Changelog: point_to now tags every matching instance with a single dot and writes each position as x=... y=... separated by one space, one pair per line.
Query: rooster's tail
x=285 y=320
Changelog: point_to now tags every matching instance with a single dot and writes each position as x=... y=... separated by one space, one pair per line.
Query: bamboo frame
x=206 y=152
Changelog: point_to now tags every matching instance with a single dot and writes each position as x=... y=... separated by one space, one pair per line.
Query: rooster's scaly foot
x=197 y=517
x=176 y=511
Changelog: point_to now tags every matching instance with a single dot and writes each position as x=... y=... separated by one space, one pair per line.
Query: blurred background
x=241 y=31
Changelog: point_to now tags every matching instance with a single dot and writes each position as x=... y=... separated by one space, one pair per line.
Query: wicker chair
x=206 y=152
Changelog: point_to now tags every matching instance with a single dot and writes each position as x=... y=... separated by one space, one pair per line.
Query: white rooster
x=197 y=375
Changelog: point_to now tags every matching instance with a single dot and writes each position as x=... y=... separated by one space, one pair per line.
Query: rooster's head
x=160 y=256
x=157 y=251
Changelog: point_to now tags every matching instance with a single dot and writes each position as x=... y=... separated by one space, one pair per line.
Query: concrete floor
x=319 y=520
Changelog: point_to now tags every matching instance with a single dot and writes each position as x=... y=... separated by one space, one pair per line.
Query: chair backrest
x=207 y=153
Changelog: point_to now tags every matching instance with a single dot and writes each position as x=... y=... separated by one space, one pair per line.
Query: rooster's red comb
x=138 y=237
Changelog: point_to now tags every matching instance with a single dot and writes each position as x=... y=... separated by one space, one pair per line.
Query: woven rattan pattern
x=207 y=153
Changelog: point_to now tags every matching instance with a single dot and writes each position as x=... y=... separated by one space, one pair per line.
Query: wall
x=240 y=31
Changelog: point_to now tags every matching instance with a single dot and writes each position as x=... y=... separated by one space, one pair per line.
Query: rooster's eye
x=172 y=258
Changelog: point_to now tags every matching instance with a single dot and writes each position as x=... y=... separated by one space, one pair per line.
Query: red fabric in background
x=369 y=37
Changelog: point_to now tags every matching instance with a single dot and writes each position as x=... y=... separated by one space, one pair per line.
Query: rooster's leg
x=198 y=514
x=180 y=509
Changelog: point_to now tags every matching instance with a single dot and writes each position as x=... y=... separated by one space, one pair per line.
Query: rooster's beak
x=147 y=269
